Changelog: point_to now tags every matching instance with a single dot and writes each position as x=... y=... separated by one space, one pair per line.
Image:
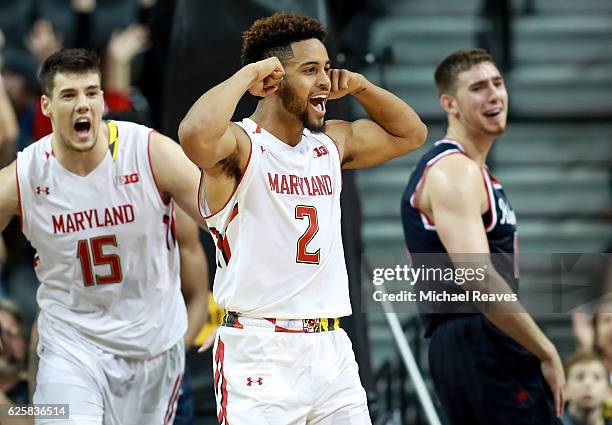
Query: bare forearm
x=213 y=111
x=194 y=283
x=511 y=317
x=197 y=313
x=33 y=359
x=389 y=111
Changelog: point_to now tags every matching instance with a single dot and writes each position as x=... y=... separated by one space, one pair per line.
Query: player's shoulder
x=455 y=171
x=128 y=128
x=126 y=136
x=338 y=130
x=35 y=153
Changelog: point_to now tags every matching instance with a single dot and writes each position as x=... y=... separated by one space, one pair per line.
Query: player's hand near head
x=269 y=74
x=344 y=82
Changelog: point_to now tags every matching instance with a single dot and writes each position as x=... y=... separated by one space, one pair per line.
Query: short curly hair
x=272 y=36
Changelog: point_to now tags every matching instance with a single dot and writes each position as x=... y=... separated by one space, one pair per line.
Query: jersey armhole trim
x=427 y=221
x=490 y=201
x=337 y=148
x=246 y=167
x=199 y=194
x=339 y=157
x=19 y=193
x=161 y=196
x=414 y=201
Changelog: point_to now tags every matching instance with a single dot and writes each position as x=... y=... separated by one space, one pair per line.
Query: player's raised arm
x=206 y=133
x=454 y=195
x=9 y=197
x=393 y=128
x=176 y=176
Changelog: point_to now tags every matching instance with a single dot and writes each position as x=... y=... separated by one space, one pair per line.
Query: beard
x=296 y=107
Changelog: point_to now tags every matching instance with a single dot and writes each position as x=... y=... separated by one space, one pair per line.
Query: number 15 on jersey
x=88 y=249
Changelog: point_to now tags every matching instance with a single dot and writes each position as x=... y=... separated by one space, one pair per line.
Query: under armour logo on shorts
x=258 y=381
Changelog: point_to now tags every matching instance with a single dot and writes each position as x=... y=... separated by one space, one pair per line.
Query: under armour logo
x=258 y=381
x=40 y=190
x=522 y=396
x=262 y=149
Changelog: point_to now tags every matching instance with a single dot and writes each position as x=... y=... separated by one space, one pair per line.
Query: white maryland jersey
x=278 y=239
x=106 y=256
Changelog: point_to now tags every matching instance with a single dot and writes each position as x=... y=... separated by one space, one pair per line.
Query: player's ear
x=45 y=105
x=449 y=104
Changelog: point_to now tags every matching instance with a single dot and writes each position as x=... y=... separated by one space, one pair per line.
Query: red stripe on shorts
x=219 y=375
x=173 y=399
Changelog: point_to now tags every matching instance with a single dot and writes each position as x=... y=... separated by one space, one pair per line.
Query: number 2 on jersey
x=303 y=256
x=96 y=245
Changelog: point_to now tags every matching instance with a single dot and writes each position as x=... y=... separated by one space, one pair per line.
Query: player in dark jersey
x=491 y=365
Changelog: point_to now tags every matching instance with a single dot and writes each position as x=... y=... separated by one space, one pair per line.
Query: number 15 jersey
x=278 y=237
x=105 y=251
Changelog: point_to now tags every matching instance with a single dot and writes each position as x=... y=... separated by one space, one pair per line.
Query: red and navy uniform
x=422 y=238
x=481 y=376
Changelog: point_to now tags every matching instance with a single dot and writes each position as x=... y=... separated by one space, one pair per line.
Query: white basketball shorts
x=286 y=372
x=103 y=389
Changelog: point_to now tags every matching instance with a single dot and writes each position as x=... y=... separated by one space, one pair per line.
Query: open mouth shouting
x=82 y=128
x=318 y=103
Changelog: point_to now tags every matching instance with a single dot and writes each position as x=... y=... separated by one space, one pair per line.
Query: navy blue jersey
x=422 y=238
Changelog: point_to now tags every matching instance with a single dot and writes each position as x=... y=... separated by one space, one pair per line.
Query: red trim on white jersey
x=19 y=194
x=161 y=195
x=198 y=194
x=206 y=217
x=339 y=157
x=337 y=148
x=427 y=222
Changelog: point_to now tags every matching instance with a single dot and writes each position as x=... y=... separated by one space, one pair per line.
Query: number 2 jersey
x=278 y=237
x=106 y=256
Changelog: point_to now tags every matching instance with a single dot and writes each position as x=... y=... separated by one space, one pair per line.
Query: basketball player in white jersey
x=270 y=192
x=94 y=198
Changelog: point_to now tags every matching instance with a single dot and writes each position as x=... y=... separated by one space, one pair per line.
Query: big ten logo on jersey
x=507 y=213
x=320 y=151
x=127 y=179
